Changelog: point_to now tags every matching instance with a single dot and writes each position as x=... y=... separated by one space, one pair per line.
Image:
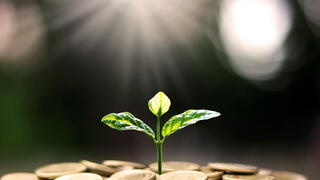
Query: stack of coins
x=172 y=170
x=170 y=166
x=235 y=171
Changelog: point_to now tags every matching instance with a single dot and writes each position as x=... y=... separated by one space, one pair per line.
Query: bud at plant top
x=159 y=104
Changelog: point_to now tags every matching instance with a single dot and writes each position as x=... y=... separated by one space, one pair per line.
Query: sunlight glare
x=253 y=33
x=148 y=24
x=130 y=34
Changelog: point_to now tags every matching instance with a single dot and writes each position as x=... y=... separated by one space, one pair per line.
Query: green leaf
x=159 y=104
x=126 y=121
x=187 y=118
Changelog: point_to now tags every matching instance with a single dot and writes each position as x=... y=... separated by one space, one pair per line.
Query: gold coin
x=183 y=175
x=134 y=174
x=20 y=176
x=246 y=177
x=263 y=171
x=205 y=169
x=116 y=163
x=80 y=176
x=212 y=174
x=286 y=175
x=233 y=167
x=99 y=168
x=122 y=168
x=52 y=171
x=170 y=166
x=218 y=178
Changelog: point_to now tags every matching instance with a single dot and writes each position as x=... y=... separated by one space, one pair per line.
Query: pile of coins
x=172 y=170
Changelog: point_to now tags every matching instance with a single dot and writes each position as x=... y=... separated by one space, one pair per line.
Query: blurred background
x=66 y=63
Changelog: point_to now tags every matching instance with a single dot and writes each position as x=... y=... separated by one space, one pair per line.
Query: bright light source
x=127 y=25
x=135 y=33
x=253 y=33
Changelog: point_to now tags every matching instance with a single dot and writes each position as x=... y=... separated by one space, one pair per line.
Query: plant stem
x=158 y=130
x=159 y=146
x=159 y=157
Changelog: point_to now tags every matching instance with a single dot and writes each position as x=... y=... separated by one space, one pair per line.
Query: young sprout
x=158 y=105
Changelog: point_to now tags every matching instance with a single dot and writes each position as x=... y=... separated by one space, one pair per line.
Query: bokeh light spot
x=253 y=33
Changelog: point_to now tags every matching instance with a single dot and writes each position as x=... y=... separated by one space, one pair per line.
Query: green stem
x=159 y=146
x=159 y=157
x=158 y=130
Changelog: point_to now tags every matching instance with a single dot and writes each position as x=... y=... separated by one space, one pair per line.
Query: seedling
x=158 y=105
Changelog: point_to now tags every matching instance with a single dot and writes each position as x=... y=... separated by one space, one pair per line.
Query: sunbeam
x=128 y=30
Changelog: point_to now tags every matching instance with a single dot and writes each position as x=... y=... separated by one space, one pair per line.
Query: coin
x=122 y=168
x=218 y=178
x=212 y=174
x=99 y=168
x=20 y=176
x=170 y=166
x=205 y=169
x=245 y=177
x=286 y=175
x=116 y=163
x=59 y=169
x=183 y=175
x=134 y=174
x=233 y=167
x=263 y=171
x=80 y=176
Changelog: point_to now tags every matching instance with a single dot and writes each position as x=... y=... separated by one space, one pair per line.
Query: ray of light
x=136 y=33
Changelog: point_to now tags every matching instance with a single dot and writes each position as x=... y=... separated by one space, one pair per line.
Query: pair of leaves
x=158 y=105
x=126 y=121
